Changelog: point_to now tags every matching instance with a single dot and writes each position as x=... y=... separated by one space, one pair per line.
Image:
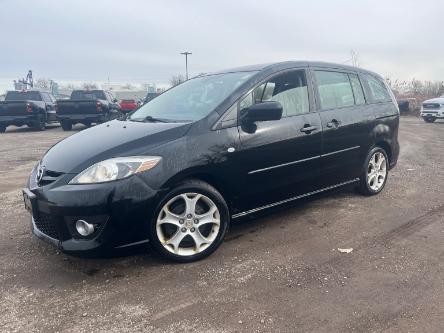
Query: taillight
x=28 y=107
x=99 y=106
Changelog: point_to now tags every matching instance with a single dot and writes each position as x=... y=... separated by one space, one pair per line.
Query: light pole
x=186 y=53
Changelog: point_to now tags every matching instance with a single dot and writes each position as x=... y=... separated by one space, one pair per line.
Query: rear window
x=376 y=89
x=88 y=94
x=334 y=89
x=23 y=96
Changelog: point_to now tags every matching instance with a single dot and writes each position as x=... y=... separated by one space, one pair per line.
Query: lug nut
x=181 y=221
x=196 y=221
x=189 y=216
x=183 y=229
x=192 y=229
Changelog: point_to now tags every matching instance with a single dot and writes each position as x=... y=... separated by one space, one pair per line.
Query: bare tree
x=177 y=79
x=89 y=85
x=42 y=83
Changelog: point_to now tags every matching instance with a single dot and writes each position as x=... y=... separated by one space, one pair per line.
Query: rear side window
x=290 y=89
x=377 y=90
x=357 y=89
x=334 y=89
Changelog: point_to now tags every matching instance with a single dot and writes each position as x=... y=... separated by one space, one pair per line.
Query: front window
x=193 y=99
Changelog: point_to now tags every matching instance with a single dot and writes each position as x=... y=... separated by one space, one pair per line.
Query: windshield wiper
x=151 y=119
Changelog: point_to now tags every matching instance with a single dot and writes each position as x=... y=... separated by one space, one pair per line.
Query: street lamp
x=186 y=53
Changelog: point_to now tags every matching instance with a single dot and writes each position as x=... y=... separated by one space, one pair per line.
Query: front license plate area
x=30 y=201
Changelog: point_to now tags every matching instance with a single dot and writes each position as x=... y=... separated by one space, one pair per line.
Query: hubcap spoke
x=199 y=239
x=176 y=240
x=208 y=217
x=190 y=203
x=170 y=218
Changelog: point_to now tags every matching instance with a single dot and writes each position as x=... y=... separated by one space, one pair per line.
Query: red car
x=127 y=105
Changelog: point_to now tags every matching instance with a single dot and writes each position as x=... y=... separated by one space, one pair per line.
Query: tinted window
x=290 y=89
x=88 y=94
x=378 y=91
x=334 y=89
x=357 y=89
x=23 y=96
x=193 y=99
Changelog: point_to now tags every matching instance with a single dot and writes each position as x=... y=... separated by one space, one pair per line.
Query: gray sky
x=140 y=41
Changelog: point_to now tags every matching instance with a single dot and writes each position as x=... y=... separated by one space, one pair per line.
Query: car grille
x=431 y=106
x=47 y=224
x=46 y=177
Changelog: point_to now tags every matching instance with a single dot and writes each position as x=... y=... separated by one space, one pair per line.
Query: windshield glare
x=193 y=99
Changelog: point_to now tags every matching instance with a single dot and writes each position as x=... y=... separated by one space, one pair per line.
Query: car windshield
x=193 y=99
x=23 y=96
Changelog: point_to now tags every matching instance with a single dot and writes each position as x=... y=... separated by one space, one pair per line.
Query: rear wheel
x=429 y=119
x=40 y=125
x=2 y=128
x=190 y=222
x=375 y=172
x=66 y=125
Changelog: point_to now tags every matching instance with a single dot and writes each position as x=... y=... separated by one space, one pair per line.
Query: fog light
x=84 y=228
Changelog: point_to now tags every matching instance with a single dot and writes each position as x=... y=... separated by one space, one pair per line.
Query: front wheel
x=375 y=172
x=66 y=125
x=190 y=222
x=429 y=119
x=2 y=128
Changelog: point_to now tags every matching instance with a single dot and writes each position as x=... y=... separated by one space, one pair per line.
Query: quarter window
x=377 y=89
x=357 y=89
x=334 y=89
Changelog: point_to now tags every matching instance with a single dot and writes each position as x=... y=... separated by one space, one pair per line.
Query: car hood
x=112 y=139
x=435 y=100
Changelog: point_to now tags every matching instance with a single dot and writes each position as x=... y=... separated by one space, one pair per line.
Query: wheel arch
x=211 y=179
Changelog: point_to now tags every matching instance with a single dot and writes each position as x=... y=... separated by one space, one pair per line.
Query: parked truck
x=30 y=107
x=87 y=107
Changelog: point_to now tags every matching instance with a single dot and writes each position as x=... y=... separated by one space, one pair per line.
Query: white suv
x=433 y=109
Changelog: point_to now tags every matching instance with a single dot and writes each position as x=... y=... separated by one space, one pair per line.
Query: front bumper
x=78 y=118
x=432 y=113
x=120 y=211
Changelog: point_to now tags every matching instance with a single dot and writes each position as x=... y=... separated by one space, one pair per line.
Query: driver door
x=280 y=158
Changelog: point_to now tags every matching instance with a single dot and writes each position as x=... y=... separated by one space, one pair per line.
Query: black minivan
x=213 y=149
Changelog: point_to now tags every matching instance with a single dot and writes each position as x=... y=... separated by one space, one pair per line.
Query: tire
x=209 y=219
x=371 y=181
x=66 y=125
x=429 y=119
x=40 y=125
x=2 y=128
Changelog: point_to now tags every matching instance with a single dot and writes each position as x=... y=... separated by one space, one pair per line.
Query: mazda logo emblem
x=40 y=172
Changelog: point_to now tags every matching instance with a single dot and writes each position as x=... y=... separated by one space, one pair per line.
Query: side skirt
x=254 y=210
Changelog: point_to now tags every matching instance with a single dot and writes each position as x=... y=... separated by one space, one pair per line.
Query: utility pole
x=186 y=54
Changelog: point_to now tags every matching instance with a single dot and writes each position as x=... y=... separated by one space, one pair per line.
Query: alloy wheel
x=377 y=171
x=188 y=224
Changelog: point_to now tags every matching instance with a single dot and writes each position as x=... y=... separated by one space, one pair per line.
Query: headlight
x=115 y=168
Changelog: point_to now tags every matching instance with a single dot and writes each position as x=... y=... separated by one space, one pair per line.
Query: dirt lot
x=279 y=272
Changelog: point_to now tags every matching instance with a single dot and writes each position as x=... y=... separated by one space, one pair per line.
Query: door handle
x=334 y=123
x=307 y=129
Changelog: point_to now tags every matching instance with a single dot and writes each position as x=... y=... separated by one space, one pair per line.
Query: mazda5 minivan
x=211 y=150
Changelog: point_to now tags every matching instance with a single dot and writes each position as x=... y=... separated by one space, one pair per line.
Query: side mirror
x=115 y=100
x=265 y=111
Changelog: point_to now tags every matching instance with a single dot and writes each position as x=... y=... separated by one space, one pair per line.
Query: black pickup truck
x=31 y=107
x=87 y=107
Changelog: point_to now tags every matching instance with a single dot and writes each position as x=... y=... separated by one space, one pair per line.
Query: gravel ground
x=277 y=272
